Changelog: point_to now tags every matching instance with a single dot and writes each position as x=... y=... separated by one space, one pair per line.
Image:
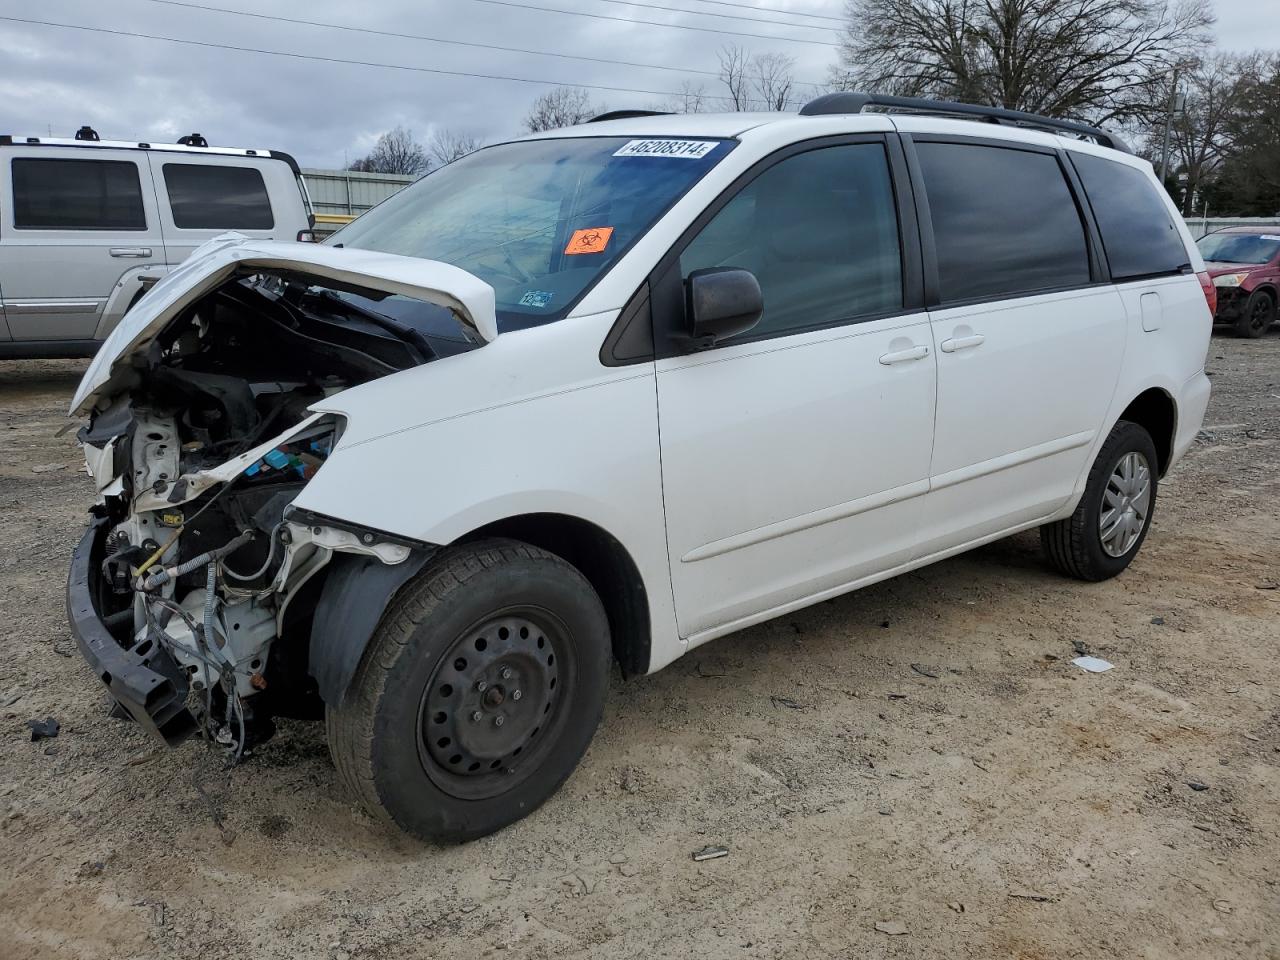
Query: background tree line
x=1111 y=63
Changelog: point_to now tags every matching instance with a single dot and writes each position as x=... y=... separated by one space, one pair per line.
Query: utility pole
x=1168 y=127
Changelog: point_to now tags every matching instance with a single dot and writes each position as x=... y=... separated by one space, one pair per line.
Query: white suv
x=88 y=225
x=607 y=393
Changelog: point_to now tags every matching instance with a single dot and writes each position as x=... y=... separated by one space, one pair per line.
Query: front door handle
x=903 y=356
x=135 y=253
x=962 y=343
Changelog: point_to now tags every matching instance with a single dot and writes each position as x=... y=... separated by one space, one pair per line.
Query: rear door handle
x=136 y=253
x=962 y=343
x=903 y=356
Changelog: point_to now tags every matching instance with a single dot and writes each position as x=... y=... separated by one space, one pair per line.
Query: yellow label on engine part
x=171 y=519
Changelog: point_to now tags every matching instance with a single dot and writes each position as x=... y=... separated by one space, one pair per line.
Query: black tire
x=1075 y=545
x=437 y=660
x=1258 y=315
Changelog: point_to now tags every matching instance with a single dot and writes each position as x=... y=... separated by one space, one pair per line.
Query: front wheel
x=1258 y=315
x=478 y=693
x=1108 y=526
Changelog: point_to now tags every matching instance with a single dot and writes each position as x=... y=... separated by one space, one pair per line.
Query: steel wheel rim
x=1126 y=504
x=1258 y=319
x=494 y=701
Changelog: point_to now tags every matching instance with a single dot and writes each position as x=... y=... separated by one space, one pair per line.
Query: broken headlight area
x=202 y=560
x=218 y=582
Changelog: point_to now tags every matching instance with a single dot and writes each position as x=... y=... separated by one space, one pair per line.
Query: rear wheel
x=478 y=693
x=1108 y=526
x=1258 y=315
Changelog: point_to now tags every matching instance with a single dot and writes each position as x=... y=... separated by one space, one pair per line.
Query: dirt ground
x=920 y=755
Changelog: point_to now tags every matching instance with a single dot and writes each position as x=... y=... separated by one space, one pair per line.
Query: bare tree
x=1199 y=133
x=1094 y=59
x=773 y=75
x=447 y=145
x=395 y=152
x=735 y=66
x=561 y=107
x=691 y=99
x=1249 y=182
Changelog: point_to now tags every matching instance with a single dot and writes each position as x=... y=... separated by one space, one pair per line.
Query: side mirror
x=722 y=302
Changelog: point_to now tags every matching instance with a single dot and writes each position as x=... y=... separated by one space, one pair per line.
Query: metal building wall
x=348 y=193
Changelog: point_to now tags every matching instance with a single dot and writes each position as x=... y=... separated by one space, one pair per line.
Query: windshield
x=1239 y=247
x=539 y=220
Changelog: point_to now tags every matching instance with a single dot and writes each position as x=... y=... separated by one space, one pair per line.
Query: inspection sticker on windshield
x=684 y=149
x=536 y=298
x=591 y=240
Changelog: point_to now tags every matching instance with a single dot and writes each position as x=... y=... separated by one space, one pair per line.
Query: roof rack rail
x=856 y=102
x=628 y=115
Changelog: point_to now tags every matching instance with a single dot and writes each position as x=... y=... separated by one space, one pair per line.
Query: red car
x=1244 y=263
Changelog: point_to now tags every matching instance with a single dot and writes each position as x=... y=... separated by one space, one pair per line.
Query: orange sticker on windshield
x=591 y=240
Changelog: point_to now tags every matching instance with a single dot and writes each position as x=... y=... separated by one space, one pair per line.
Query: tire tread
x=350 y=726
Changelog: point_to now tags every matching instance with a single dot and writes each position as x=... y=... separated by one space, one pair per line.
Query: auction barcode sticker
x=685 y=149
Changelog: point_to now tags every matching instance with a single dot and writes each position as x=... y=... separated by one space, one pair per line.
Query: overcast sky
x=54 y=79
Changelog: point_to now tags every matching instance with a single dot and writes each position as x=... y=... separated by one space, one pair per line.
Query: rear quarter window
x=1138 y=234
x=217 y=197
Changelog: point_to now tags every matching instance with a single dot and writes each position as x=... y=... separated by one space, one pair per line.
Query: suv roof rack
x=628 y=115
x=856 y=102
x=10 y=140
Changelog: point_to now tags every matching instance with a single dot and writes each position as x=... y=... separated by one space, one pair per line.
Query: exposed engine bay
x=198 y=457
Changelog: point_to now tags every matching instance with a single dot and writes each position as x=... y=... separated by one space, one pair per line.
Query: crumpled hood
x=470 y=298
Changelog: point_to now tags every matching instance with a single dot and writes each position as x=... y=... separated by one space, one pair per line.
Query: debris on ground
x=1093 y=664
x=956 y=905
x=925 y=671
x=894 y=928
x=629 y=780
x=1157 y=621
x=1080 y=647
x=1030 y=895
x=90 y=868
x=710 y=853
x=48 y=467
x=787 y=702
x=1197 y=786
x=42 y=729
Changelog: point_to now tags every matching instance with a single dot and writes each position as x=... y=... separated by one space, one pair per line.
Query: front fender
x=357 y=592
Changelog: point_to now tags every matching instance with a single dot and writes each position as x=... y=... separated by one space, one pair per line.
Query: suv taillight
x=1210 y=292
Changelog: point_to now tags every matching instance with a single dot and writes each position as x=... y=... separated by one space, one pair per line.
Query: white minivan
x=603 y=394
x=88 y=225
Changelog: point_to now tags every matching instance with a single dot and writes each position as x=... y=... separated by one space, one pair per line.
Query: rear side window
x=820 y=232
x=217 y=198
x=1137 y=232
x=53 y=194
x=1004 y=222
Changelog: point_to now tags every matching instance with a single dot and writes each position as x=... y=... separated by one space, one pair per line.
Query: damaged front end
x=194 y=592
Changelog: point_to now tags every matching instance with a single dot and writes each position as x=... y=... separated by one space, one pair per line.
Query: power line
x=322 y=59
x=656 y=23
x=752 y=6
x=708 y=13
x=414 y=36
